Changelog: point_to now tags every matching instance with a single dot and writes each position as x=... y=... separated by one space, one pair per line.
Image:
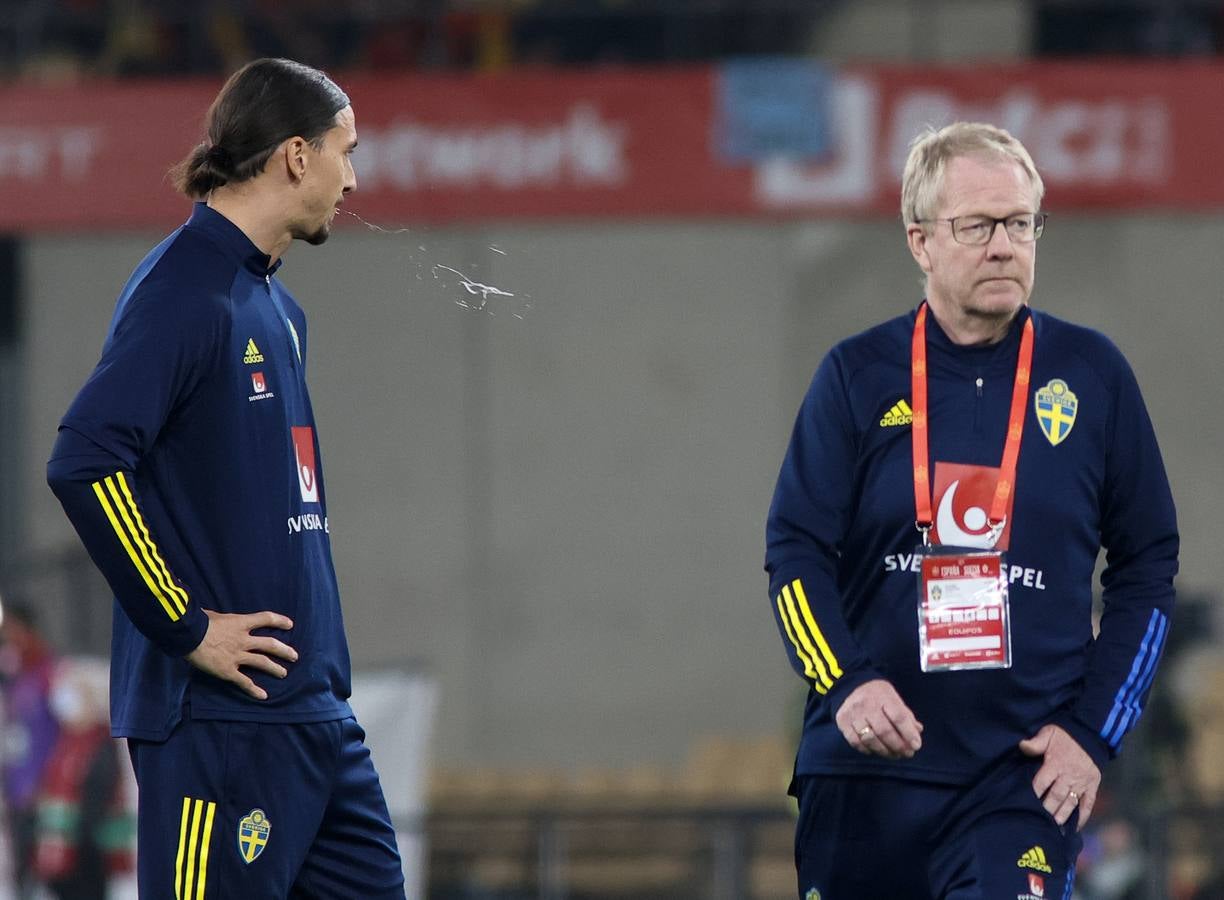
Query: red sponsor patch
x=304 y=454
x=962 y=497
x=1036 y=885
x=258 y=384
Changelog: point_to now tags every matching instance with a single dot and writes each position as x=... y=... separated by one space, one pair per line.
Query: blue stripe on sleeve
x=1135 y=706
x=1127 y=704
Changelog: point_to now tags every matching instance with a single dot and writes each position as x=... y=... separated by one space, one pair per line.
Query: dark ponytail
x=205 y=168
x=262 y=104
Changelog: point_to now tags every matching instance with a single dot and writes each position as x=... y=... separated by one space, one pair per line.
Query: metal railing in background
x=742 y=853
x=699 y=852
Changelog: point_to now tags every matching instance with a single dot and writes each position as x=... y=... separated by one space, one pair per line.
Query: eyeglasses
x=1023 y=228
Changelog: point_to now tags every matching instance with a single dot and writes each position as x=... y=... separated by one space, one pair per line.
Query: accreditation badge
x=963 y=620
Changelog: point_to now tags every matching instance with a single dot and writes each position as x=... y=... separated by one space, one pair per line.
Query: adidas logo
x=900 y=414
x=252 y=353
x=1034 y=858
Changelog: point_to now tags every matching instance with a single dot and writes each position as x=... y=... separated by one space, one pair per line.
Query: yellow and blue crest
x=253 y=831
x=812 y=894
x=1056 y=406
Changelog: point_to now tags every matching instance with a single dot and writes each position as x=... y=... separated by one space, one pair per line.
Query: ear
x=293 y=151
x=916 y=237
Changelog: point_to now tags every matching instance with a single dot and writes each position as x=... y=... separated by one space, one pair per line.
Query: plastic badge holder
x=963 y=611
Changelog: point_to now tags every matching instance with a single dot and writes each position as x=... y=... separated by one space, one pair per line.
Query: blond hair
x=930 y=152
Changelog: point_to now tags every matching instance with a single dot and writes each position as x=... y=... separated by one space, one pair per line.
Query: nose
x=1000 y=243
x=350 y=177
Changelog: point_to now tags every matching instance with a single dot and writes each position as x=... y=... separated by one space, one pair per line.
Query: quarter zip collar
x=230 y=238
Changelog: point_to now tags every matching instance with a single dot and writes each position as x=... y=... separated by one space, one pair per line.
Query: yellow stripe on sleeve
x=130 y=517
x=802 y=634
x=135 y=557
x=808 y=669
x=208 y=824
x=177 y=594
x=814 y=629
x=178 y=862
x=167 y=601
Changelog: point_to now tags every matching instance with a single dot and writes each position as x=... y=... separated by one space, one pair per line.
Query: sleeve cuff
x=845 y=685
x=188 y=635
x=1092 y=743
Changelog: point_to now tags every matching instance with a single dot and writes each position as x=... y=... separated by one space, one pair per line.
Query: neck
x=967 y=329
x=256 y=216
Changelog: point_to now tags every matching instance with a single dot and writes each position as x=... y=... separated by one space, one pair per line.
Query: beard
x=310 y=232
x=314 y=236
x=318 y=236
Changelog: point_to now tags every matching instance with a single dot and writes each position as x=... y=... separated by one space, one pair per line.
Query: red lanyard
x=919 y=430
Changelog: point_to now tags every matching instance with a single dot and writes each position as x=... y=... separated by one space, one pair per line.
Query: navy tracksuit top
x=190 y=467
x=841 y=539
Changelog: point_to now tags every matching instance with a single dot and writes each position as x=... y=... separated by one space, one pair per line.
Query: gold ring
x=1074 y=796
x=865 y=731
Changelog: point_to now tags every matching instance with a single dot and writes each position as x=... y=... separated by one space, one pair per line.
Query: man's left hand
x=1067 y=778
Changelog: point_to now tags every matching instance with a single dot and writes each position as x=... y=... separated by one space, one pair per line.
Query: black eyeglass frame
x=1039 y=221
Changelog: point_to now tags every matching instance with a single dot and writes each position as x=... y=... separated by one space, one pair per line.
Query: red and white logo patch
x=962 y=496
x=258 y=384
x=304 y=454
x=1036 y=885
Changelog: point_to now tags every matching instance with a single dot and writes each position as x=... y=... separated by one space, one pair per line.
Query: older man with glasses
x=952 y=475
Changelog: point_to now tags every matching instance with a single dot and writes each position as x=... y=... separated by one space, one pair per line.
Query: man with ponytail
x=189 y=465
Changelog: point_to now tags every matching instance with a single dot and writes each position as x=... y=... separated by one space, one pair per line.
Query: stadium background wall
x=561 y=516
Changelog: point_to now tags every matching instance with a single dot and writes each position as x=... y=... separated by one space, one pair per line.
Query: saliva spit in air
x=478 y=294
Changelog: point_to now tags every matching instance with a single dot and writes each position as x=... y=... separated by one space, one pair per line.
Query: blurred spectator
x=316 y=32
x=64 y=39
x=1213 y=887
x=1111 y=28
x=55 y=40
x=1113 y=865
x=30 y=731
x=76 y=38
x=85 y=833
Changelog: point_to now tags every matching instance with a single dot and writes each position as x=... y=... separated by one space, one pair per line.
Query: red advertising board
x=631 y=143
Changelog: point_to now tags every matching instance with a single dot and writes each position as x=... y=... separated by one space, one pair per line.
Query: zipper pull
x=979 y=386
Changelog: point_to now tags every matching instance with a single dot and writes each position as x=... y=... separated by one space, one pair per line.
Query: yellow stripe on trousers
x=195 y=833
x=178 y=860
x=208 y=823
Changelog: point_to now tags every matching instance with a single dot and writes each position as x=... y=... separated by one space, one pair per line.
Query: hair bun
x=219 y=157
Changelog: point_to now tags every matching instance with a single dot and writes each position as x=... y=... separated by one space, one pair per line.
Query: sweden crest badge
x=1056 y=405
x=253 y=831
x=813 y=894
